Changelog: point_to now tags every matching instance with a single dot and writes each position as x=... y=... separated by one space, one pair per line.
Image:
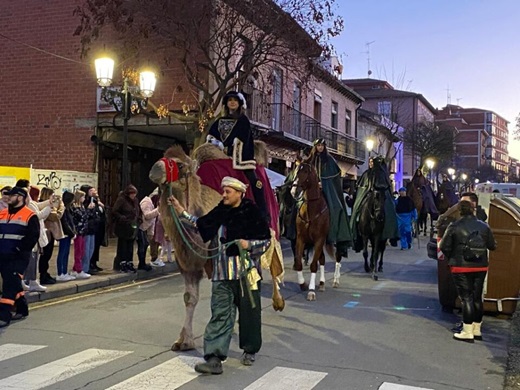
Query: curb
x=512 y=374
x=100 y=280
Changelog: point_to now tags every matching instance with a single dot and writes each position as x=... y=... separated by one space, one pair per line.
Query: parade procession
x=267 y=194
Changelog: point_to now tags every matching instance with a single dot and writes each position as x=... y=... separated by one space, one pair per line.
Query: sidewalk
x=105 y=278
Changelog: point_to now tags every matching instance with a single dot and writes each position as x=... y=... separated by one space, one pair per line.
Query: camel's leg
x=185 y=342
x=276 y=270
x=311 y=295
x=337 y=274
x=322 y=277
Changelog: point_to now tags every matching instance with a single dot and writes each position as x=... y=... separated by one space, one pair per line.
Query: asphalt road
x=388 y=335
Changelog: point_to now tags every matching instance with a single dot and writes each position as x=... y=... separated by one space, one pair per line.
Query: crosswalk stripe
x=9 y=351
x=61 y=369
x=282 y=378
x=168 y=375
x=393 y=386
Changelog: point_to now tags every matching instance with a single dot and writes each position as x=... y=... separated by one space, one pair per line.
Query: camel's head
x=173 y=166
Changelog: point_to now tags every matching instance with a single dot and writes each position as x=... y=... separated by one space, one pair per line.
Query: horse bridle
x=174 y=173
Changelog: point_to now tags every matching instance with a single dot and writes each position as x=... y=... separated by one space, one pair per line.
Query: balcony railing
x=283 y=118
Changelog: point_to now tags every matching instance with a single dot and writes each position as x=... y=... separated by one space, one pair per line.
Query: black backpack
x=475 y=247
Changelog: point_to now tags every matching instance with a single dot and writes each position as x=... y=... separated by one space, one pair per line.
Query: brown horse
x=191 y=253
x=312 y=227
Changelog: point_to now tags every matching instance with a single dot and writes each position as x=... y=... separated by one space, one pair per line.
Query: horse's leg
x=322 y=272
x=365 y=253
x=185 y=342
x=293 y=248
x=337 y=271
x=318 y=253
x=382 y=248
x=276 y=269
x=374 y=256
x=298 y=267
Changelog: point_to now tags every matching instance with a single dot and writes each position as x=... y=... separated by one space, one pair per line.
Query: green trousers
x=226 y=297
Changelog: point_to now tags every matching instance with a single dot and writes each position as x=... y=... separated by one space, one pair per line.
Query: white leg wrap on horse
x=312 y=283
x=322 y=273
x=337 y=272
x=301 y=280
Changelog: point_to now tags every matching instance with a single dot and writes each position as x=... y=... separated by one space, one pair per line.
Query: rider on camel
x=329 y=174
x=233 y=131
x=375 y=178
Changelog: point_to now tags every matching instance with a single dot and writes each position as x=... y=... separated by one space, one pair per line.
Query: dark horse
x=370 y=228
x=424 y=201
x=312 y=227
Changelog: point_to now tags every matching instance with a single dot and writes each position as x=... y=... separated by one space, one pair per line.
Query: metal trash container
x=503 y=280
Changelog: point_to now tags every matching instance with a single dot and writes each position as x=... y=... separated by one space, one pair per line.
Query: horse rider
x=447 y=190
x=375 y=178
x=233 y=130
x=329 y=174
x=406 y=214
x=419 y=179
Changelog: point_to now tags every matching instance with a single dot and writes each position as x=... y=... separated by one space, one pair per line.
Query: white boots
x=477 y=334
x=466 y=334
x=469 y=332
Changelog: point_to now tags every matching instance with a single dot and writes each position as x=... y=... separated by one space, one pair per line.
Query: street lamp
x=451 y=171
x=430 y=164
x=370 y=145
x=130 y=103
x=464 y=177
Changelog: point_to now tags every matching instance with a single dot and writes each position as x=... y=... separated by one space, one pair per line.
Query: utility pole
x=367 y=52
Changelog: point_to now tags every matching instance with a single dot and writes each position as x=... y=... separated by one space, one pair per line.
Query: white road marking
x=379 y=286
x=9 y=351
x=420 y=261
x=59 y=370
x=171 y=374
x=283 y=378
x=393 y=386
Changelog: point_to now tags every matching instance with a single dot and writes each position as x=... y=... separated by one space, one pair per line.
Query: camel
x=192 y=256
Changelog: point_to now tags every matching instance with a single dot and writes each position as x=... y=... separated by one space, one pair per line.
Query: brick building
x=53 y=118
x=482 y=139
x=404 y=108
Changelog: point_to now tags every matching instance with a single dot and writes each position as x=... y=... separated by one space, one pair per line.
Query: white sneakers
x=158 y=263
x=34 y=286
x=80 y=275
x=65 y=278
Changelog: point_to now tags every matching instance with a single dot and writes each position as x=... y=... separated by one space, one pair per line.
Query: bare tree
x=516 y=131
x=428 y=139
x=220 y=43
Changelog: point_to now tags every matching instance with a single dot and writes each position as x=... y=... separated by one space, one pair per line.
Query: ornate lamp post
x=130 y=103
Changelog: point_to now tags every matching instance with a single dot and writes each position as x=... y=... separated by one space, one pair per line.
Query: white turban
x=236 y=184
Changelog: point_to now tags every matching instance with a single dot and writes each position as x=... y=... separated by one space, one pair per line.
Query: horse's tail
x=330 y=250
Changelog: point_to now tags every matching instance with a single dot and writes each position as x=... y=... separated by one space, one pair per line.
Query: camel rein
x=244 y=285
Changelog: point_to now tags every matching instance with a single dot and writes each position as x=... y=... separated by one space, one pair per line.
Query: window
x=348 y=121
x=334 y=115
x=384 y=109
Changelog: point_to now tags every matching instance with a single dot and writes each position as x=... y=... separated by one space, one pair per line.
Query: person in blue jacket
x=406 y=215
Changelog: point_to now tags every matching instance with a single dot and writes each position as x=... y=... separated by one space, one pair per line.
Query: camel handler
x=19 y=233
x=234 y=221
